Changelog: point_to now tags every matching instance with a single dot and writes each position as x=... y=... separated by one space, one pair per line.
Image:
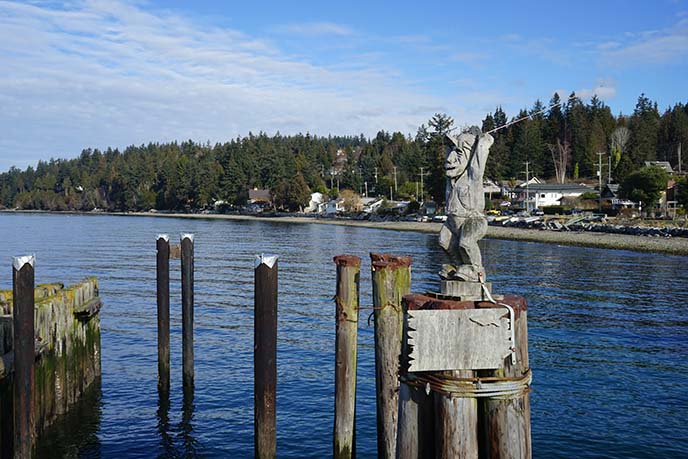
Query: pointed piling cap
x=19 y=262
x=267 y=260
x=347 y=260
x=165 y=237
x=188 y=236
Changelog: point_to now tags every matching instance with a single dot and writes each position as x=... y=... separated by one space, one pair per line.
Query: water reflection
x=166 y=441
x=75 y=434
x=189 y=443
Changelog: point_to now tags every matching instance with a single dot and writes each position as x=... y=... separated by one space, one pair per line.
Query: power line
x=511 y=123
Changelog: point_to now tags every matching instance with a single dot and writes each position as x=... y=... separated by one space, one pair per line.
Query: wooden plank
x=471 y=339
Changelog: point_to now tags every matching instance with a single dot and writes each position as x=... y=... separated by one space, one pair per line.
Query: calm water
x=608 y=337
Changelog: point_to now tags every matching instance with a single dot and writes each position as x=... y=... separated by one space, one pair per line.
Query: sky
x=97 y=74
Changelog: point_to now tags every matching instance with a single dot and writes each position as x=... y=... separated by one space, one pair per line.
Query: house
x=512 y=192
x=610 y=194
x=334 y=206
x=661 y=164
x=610 y=191
x=539 y=195
x=428 y=208
x=491 y=189
x=317 y=203
x=371 y=205
x=255 y=195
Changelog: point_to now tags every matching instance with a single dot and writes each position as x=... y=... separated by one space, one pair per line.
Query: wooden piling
x=163 y=294
x=391 y=278
x=187 y=243
x=505 y=425
x=265 y=357
x=24 y=354
x=456 y=422
x=347 y=301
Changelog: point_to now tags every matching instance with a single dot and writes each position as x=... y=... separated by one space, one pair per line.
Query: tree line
x=559 y=144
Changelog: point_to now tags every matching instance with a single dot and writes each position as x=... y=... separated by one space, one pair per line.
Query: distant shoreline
x=673 y=246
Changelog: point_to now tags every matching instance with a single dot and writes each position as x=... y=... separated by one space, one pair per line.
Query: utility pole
x=527 y=187
x=609 y=175
x=396 y=190
x=376 y=176
x=366 y=189
x=599 y=175
x=417 y=191
x=391 y=197
x=679 y=157
x=421 y=183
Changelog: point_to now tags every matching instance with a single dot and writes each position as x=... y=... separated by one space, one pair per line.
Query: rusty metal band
x=493 y=387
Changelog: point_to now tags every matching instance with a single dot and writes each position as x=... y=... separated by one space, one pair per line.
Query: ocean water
x=608 y=337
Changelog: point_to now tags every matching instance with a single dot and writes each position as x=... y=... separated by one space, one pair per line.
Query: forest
x=560 y=145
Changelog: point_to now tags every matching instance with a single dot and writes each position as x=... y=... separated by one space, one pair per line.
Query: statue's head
x=458 y=152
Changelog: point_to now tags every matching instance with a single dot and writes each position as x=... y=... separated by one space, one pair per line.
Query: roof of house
x=259 y=195
x=663 y=164
x=563 y=188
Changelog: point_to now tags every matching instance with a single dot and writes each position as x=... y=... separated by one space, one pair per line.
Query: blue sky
x=96 y=73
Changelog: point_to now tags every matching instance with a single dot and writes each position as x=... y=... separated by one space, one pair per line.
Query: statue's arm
x=485 y=141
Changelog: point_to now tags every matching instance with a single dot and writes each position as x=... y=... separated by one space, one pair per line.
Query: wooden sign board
x=467 y=339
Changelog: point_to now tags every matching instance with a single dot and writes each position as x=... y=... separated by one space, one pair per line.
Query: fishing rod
x=511 y=123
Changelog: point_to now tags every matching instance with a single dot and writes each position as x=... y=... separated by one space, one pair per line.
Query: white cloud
x=602 y=91
x=102 y=73
x=652 y=47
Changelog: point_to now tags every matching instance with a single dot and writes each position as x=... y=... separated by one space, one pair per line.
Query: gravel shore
x=674 y=246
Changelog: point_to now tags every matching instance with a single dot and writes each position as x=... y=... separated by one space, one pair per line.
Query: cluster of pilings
x=426 y=414
x=49 y=354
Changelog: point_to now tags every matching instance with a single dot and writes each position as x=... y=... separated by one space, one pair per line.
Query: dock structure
x=451 y=368
x=50 y=354
x=464 y=371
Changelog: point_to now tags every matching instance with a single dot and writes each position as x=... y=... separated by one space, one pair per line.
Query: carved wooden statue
x=465 y=200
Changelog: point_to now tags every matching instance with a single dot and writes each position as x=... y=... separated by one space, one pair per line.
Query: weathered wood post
x=346 y=301
x=391 y=276
x=506 y=419
x=265 y=356
x=163 y=293
x=187 y=244
x=24 y=354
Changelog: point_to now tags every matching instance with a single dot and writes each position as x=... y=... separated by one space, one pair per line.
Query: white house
x=541 y=195
x=334 y=206
x=316 y=204
x=371 y=205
